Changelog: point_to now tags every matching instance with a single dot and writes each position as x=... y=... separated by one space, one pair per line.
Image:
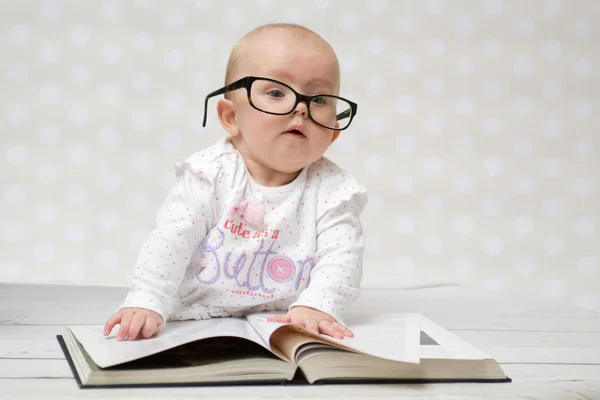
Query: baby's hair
x=298 y=31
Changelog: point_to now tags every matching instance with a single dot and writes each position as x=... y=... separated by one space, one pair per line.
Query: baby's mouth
x=295 y=132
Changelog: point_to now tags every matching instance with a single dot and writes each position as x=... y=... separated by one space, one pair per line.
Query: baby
x=260 y=220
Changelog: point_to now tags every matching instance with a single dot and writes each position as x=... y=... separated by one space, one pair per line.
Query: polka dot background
x=477 y=132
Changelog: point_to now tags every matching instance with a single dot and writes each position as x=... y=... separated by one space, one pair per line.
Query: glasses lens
x=331 y=111
x=272 y=97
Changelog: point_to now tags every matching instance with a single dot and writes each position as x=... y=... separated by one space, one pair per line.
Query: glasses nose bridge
x=302 y=98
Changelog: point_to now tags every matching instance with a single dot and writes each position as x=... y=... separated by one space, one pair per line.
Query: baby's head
x=269 y=125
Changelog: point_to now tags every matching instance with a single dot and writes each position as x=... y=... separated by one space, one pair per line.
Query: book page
x=446 y=345
x=107 y=351
x=389 y=336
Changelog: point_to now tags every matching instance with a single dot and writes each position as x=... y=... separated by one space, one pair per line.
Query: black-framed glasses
x=277 y=98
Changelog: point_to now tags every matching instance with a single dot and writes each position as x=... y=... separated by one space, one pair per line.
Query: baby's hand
x=315 y=321
x=134 y=321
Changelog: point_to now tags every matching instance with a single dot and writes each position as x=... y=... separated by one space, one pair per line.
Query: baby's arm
x=181 y=224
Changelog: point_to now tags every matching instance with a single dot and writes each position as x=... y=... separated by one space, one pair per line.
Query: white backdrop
x=477 y=132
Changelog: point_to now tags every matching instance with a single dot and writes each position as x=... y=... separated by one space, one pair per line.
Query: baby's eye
x=319 y=100
x=276 y=93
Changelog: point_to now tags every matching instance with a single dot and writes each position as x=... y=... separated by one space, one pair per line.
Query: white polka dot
x=376 y=5
x=147 y=3
x=433 y=165
x=523 y=107
x=203 y=42
x=523 y=66
x=432 y=244
x=493 y=245
x=553 y=207
x=492 y=166
x=492 y=127
x=584 y=226
x=463 y=106
x=435 y=47
x=552 y=89
x=109 y=221
x=524 y=266
x=493 y=285
x=586 y=266
x=405 y=23
x=139 y=202
x=202 y=82
x=432 y=205
x=234 y=18
x=433 y=125
x=140 y=162
x=581 y=68
x=348 y=21
x=109 y=138
x=463 y=144
x=463 y=265
x=44 y=252
x=141 y=121
x=582 y=108
x=373 y=244
x=78 y=155
x=523 y=26
x=375 y=203
x=14 y=194
x=49 y=52
x=405 y=64
x=464 y=65
x=112 y=11
x=375 y=84
x=75 y=273
x=587 y=302
x=111 y=95
x=552 y=7
x=348 y=63
x=172 y=141
x=552 y=168
x=293 y=16
x=49 y=93
x=46 y=173
x=167 y=181
x=175 y=18
x=551 y=49
x=493 y=7
x=173 y=101
x=464 y=25
x=433 y=86
x=492 y=206
x=16 y=114
x=209 y=3
x=12 y=232
x=109 y=179
x=16 y=155
x=551 y=128
x=107 y=259
x=492 y=88
x=11 y=270
x=174 y=60
x=405 y=144
x=322 y=4
x=78 y=114
x=142 y=82
x=75 y=233
x=405 y=105
x=347 y=144
x=376 y=45
x=463 y=185
x=144 y=42
x=554 y=245
x=404 y=184
x=76 y=194
x=405 y=265
x=18 y=35
x=582 y=28
x=111 y=53
x=583 y=187
x=17 y=74
x=463 y=224
x=493 y=48
x=375 y=124
x=523 y=145
x=523 y=186
x=404 y=224
x=79 y=75
x=50 y=10
x=374 y=163
x=523 y=226
x=136 y=240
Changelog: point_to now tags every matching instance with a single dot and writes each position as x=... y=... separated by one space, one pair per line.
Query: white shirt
x=203 y=259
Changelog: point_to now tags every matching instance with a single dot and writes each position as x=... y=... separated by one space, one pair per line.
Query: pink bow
x=251 y=212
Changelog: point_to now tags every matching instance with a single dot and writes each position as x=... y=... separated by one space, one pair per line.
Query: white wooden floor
x=551 y=351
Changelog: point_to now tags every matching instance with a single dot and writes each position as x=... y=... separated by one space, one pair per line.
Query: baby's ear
x=226 y=113
x=335 y=136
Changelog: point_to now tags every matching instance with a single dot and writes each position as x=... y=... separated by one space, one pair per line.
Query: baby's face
x=309 y=68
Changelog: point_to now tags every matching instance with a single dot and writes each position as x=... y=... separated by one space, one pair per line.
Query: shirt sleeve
x=181 y=224
x=335 y=278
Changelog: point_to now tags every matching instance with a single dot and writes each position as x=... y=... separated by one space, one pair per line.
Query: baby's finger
x=150 y=328
x=329 y=328
x=125 y=320
x=280 y=318
x=137 y=321
x=311 y=324
x=112 y=321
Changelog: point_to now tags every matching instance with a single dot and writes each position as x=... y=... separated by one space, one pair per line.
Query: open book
x=386 y=347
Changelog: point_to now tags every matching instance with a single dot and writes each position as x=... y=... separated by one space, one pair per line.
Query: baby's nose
x=301 y=109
